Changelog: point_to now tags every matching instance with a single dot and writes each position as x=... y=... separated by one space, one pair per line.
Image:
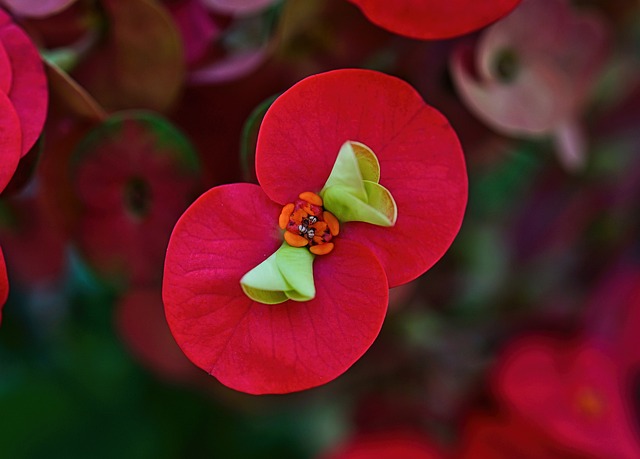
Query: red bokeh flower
x=509 y=437
x=23 y=96
x=142 y=326
x=434 y=19
x=532 y=72
x=134 y=175
x=613 y=318
x=4 y=283
x=570 y=391
x=231 y=229
x=404 y=444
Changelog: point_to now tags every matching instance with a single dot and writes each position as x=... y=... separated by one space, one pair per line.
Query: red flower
x=387 y=445
x=572 y=393
x=134 y=176
x=434 y=19
x=231 y=229
x=23 y=96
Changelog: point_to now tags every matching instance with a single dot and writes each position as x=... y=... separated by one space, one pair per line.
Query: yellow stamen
x=321 y=249
x=311 y=197
x=294 y=240
x=334 y=225
x=284 y=215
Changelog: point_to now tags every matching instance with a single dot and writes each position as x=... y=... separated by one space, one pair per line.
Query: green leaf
x=352 y=191
x=285 y=275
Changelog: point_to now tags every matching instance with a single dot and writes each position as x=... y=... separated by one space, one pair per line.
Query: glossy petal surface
x=28 y=84
x=254 y=347
x=421 y=161
x=434 y=19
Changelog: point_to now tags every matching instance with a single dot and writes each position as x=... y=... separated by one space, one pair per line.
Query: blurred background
x=522 y=342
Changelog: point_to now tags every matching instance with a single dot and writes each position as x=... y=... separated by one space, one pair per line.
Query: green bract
x=285 y=275
x=351 y=193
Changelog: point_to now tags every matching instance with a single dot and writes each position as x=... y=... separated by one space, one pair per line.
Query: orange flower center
x=589 y=403
x=307 y=224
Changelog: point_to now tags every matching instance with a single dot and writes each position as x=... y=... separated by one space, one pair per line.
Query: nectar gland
x=307 y=224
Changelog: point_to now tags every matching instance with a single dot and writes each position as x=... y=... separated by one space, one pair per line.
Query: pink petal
x=29 y=85
x=250 y=346
x=527 y=106
x=4 y=283
x=571 y=145
x=10 y=140
x=230 y=67
x=434 y=19
x=196 y=27
x=37 y=8
x=238 y=6
x=558 y=53
x=420 y=157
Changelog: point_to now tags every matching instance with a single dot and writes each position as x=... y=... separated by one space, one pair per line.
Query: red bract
x=23 y=96
x=434 y=19
x=572 y=392
x=231 y=229
x=387 y=445
x=532 y=72
x=4 y=283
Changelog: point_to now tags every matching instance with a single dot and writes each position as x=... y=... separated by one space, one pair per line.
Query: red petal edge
x=10 y=140
x=4 y=283
x=420 y=158
x=253 y=347
x=434 y=19
x=29 y=92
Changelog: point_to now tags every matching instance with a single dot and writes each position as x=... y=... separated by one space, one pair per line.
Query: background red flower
x=434 y=19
